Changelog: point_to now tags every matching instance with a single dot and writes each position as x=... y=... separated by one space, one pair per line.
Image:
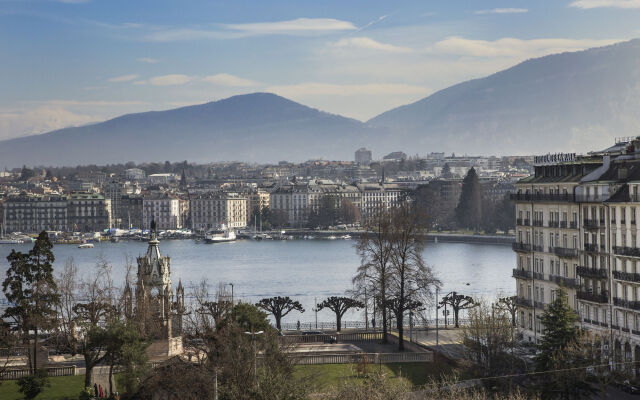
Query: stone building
x=214 y=209
x=88 y=212
x=34 y=213
x=163 y=208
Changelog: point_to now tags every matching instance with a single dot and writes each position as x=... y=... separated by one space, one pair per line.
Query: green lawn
x=322 y=376
x=62 y=387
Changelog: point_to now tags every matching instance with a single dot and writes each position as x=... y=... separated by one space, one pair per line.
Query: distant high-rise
x=363 y=156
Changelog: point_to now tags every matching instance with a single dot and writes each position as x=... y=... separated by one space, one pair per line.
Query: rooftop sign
x=551 y=159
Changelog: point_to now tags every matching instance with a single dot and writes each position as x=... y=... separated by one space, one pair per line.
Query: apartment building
x=88 y=212
x=212 y=210
x=164 y=208
x=31 y=213
x=376 y=197
x=577 y=227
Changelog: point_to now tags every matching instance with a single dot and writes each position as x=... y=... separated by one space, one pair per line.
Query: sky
x=72 y=62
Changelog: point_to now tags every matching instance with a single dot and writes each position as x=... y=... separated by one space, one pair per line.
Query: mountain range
x=575 y=101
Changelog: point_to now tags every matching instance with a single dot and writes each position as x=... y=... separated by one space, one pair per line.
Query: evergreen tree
x=469 y=210
x=559 y=330
x=32 y=292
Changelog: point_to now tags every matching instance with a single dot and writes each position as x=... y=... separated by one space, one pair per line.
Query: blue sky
x=71 y=62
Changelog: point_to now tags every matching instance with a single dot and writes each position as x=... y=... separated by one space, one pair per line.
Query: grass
x=62 y=387
x=326 y=375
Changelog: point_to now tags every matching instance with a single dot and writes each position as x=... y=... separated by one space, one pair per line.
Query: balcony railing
x=573 y=225
x=626 y=251
x=631 y=304
x=538 y=275
x=564 y=281
x=591 y=247
x=596 y=298
x=539 y=304
x=521 y=273
x=598 y=273
x=563 y=251
x=593 y=223
x=583 y=198
x=626 y=276
x=563 y=224
x=521 y=301
x=539 y=248
x=553 y=224
x=543 y=197
x=522 y=221
x=537 y=222
x=521 y=246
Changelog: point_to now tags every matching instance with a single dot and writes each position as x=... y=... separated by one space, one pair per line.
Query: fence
x=331 y=326
x=339 y=337
x=13 y=352
x=370 y=358
x=52 y=371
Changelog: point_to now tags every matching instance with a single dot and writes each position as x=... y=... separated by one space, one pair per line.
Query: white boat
x=345 y=237
x=332 y=237
x=85 y=246
x=10 y=241
x=223 y=234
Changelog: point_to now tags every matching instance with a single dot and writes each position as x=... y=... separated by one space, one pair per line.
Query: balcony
x=591 y=198
x=538 y=248
x=596 y=298
x=591 y=247
x=573 y=225
x=593 y=223
x=521 y=273
x=522 y=221
x=563 y=224
x=564 y=252
x=521 y=246
x=597 y=273
x=538 y=275
x=553 y=224
x=543 y=197
x=626 y=251
x=633 y=305
x=522 y=302
x=538 y=304
x=567 y=282
x=626 y=276
x=537 y=222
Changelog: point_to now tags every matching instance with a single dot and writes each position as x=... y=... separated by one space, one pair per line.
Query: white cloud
x=511 y=47
x=295 y=27
x=588 y=4
x=148 y=60
x=503 y=11
x=323 y=89
x=169 y=80
x=91 y=103
x=228 y=80
x=370 y=44
x=16 y=123
x=123 y=78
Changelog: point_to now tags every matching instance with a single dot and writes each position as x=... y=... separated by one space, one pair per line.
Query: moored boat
x=223 y=234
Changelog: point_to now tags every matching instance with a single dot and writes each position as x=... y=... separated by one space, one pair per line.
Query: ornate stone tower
x=154 y=297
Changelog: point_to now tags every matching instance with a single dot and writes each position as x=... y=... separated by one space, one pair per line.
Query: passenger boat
x=85 y=246
x=223 y=234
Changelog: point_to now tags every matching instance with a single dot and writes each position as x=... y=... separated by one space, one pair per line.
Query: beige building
x=88 y=212
x=212 y=210
x=164 y=208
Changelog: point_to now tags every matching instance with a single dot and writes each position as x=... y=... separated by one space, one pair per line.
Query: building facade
x=210 y=211
x=88 y=212
x=164 y=208
x=34 y=213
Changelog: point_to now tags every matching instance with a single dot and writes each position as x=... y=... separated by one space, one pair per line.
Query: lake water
x=301 y=269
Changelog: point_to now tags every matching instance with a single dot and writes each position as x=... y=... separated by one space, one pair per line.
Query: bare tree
x=411 y=280
x=373 y=274
x=509 y=305
x=339 y=305
x=458 y=302
x=279 y=307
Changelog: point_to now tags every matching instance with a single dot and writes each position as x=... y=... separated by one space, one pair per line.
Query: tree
x=26 y=173
x=248 y=317
x=339 y=305
x=33 y=384
x=279 y=307
x=31 y=291
x=469 y=210
x=488 y=337
x=458 y=302
x=375 y=249
x=125 y=349
x=509 y=305
x=411 y=280
x=349 y=213
x=446 y=171
x=559 y=329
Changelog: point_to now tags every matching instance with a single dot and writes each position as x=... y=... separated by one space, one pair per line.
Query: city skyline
x=75 y=62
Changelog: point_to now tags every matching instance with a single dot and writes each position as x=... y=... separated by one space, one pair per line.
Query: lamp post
x=255 y=353
x=231 y=284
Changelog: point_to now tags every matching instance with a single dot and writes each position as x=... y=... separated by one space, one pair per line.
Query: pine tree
x=469 y=210
x=559 y=330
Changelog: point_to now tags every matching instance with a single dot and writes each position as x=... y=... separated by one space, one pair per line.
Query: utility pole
x=232 y=303
x=315 y=308
x=437 y=308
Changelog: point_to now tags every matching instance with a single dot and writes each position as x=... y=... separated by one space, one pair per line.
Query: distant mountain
x=255 y=127
x=574 y=101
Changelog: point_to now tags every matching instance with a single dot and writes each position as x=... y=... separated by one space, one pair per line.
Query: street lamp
x=231 y=293
x=255 y=352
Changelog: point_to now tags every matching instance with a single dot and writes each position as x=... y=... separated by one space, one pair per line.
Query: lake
x=302 y=269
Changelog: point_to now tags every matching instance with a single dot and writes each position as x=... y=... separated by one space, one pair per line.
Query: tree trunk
x=277 y=318
x=338 y=322
x=110 y=378
x=385 y=339
x=35 y=350
x=400 y=321
x=456 y=310
x=87 y=372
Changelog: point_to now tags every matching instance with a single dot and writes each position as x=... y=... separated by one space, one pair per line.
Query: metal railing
x=555 y=197
x=537 y=222
x=631 y=304
x=521 y=246
x=626 y=276
x=596 y=298
x=592 y=223
x=339 y=337
x=521 y=273
x=564 y=251
x=553 y=224
x=626 y=251
x=51 y=371
x=561 y=280
x=537 y=247
x=356 y=358
x=538 y=275
x=521 y=301
x=600 y=273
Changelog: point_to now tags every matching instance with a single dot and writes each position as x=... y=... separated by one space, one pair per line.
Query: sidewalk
x=449 y=341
